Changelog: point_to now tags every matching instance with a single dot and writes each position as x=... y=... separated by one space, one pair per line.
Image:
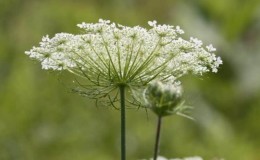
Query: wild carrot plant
x=114 y=60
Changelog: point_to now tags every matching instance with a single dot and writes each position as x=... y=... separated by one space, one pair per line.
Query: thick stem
x=122 y=102
x=157 y=138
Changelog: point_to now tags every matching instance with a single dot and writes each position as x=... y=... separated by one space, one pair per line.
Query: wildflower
x=187 y=158
x=111 y=56
x=108 y=55
x=164 y=100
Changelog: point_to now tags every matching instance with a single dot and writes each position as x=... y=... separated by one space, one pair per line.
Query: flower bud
x=163 y=98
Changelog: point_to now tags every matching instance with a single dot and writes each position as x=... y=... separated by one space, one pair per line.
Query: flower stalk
x=163 y=100
x=157 y=138
x=123 y=123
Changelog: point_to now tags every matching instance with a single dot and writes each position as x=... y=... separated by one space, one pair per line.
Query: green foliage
x=40 y=118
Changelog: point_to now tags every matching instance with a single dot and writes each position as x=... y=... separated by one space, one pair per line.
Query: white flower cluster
x=112 y=54
x=187 y=158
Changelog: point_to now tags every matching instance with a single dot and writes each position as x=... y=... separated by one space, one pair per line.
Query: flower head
x=187 y=158
x=108 y=55
x=163 y=99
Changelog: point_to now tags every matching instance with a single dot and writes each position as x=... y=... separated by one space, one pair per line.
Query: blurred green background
x=40 y=119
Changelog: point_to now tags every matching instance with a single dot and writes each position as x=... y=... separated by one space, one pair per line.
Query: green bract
x=163 y=99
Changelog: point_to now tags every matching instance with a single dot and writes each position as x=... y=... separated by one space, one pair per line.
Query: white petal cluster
x=187 y=158
x=112 y=54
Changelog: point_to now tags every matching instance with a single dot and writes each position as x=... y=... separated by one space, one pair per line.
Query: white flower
x=108 y=55
x=152 y=23
x=211 y=48
x=187 y=158
x=179 y=30
x=161 y=158
x=198 y=43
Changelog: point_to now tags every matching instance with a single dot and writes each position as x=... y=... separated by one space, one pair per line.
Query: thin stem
x=122 y=102
x=157 y=138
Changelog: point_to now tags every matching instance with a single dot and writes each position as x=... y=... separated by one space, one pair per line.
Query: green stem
x=157 y=138
x=122 y=102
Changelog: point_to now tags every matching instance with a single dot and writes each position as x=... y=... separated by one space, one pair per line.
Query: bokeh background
x=40 y=119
